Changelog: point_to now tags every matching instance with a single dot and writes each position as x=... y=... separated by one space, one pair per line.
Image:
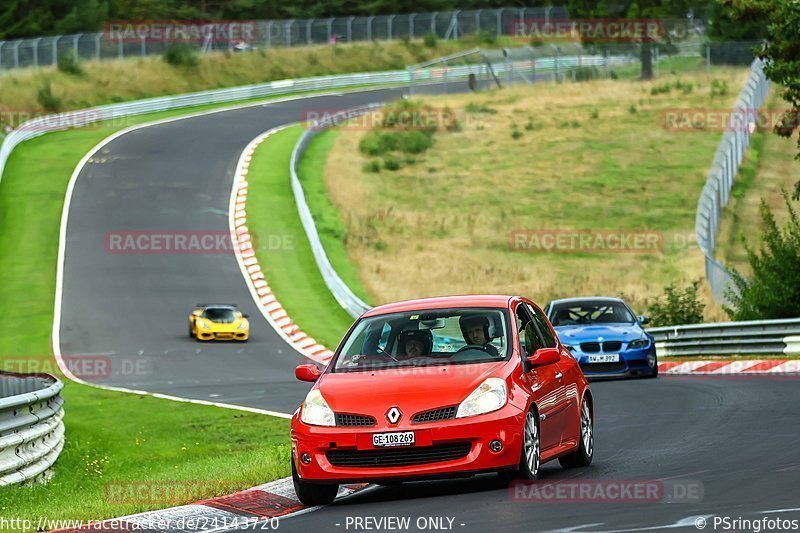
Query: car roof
x=587 y=299
x=217 y=306
x=442 y=302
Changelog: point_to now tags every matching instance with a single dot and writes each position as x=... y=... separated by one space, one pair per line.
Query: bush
x=719 y=87
x=69 y=65
x=391 y=162
x=516 y=134
x=679 y=306
x=774 y=289
x=430 y=39
x=372 y=166
x=487 y=37
x=47 y=99
x=583 y=74
x=181 y=55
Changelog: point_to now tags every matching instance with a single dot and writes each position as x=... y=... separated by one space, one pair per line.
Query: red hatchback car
x=441 y=387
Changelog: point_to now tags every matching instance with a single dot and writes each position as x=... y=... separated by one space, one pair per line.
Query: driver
x=475 y=329
x=415 y=343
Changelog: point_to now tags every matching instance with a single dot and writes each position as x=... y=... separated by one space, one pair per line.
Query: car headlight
x=243 y=325
x=315 y=410
x=638 y=343
x=490 y=396
x=201 y=323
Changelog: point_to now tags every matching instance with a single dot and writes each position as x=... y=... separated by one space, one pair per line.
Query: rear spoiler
x=216 y=305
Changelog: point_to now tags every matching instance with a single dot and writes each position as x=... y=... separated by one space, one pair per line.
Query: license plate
x=605 y=358
x=405 y=438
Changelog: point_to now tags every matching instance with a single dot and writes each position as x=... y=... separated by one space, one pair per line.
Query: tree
x=780 y=52
x=667 y=11
x=774 y=289
x=679 y=306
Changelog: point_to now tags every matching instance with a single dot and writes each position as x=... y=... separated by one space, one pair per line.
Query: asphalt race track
x=132 y=308
x=734 y=438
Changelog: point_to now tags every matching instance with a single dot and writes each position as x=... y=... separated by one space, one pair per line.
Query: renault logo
x=393 y=415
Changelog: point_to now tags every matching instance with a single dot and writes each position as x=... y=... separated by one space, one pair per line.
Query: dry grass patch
x=574 y=156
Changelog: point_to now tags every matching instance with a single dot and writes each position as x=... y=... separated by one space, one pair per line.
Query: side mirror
x=544 y=356
x=308 y=373
x=245 y=315
x=644 y=319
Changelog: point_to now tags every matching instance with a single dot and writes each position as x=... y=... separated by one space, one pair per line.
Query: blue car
x=605 y=336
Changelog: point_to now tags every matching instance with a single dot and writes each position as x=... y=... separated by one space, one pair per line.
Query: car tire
x=654 y=374
x=583 y=455
x=313 y=494
x=530 y=456
x=191 y=332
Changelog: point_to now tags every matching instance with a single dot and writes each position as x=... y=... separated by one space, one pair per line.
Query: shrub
x=679 y=306
x=632 y=109
x=719 y=87
x=774 y=289
x=69 y=65
x=487 y=37
x=47 y=99
x=516 y=134
x=391 y=162
x=430 y=39
x=372 y=166
x=595 y=114
x=181 y=55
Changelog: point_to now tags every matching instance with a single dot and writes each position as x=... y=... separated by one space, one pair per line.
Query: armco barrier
x=31 y=426
x=730 y=338
x=63 y=121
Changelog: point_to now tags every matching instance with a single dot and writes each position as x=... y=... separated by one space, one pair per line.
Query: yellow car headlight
x=201 y=323
x=243 y=325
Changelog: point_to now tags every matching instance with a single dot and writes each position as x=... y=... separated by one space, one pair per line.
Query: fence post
x=389 y=30
x=121 y=49
x=350 y=29
x=75 y=39
x=36 y=51
x=478 y=21
x=499 y=21
x=1 y=54
x=369 y=27
x=433 y=22
x=143 y=48
x=330 y=29
x=308 y=31
x=288 y=31
x=411 y=18
x=97 y=39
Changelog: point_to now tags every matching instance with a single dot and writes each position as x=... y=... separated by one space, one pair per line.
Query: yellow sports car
x=221 y=322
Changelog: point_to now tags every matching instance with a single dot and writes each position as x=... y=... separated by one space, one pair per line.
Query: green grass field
x=110 y=436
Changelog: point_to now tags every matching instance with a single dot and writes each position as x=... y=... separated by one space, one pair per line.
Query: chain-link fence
x=137 y=39
x=729 y=155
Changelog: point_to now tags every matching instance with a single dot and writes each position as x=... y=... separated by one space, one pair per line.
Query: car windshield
x=220 y=314
x=590 y=312
x=425 y=338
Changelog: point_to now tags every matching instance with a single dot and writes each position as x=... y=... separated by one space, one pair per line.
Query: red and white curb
x=270 y=307
x=748 y=367
x=265 y=504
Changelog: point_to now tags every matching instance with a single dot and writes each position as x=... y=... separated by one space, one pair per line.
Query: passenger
x=415 y=343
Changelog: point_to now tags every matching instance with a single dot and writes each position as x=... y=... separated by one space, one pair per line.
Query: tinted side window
x=544 y=330
x=530 y=338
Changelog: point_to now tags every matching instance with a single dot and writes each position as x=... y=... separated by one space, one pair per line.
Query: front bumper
x=209 y=335
x=474 y=433
x=632 y=363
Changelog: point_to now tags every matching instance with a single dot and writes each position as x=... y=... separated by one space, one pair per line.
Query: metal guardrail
x=31 y=426
x=62 y=121
x=730 y=338
x=719 y=182
x=351 y=303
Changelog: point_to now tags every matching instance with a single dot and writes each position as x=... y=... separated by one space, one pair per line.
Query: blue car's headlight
x=638 y=343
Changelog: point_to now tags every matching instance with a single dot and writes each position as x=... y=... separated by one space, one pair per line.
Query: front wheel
x=312 y=494
x=530 y=456
x=583 y=455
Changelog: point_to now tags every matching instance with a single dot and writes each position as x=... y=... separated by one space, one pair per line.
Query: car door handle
x=559 y=375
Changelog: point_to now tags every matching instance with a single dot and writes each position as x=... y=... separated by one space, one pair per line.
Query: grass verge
x=290 y=269
x=572 y=158
x=111 y=437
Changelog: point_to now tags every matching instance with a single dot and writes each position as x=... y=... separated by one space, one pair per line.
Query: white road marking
x=689 y=521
